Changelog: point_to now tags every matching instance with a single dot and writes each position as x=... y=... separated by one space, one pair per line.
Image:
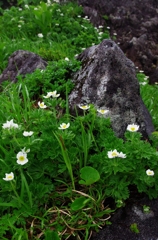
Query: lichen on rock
x=107 y=79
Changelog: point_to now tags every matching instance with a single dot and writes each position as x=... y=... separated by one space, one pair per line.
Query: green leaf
x=89 y=175
x=51 y=235
x=79 y=203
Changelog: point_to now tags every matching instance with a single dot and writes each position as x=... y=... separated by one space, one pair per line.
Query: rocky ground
x=134 y=24
x=125 y=217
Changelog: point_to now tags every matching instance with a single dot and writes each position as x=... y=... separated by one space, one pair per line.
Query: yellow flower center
x=102 y=111
x=64 y=126
x=21 y=158
x=133 y=129
x=10 y=177
x=114 y=154
x=84 y=107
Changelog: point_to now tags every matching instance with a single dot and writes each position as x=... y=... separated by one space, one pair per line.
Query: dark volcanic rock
x=136 y=24
x=20 y=63
x=107 y=79
x=128 y=215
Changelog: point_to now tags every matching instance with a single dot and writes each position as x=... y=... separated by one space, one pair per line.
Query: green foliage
x=89 y=175
x=134 y=228
x=51 y=235
x=56 y=76
x=146 y=209
x=149 y=95
x=63 y=31
x=79 y=203
x=69 y=172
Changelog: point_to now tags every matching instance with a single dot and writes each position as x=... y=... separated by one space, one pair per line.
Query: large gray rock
x=107 y=79
x=20 y=63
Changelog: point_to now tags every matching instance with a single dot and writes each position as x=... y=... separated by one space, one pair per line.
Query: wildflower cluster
x=86 y=107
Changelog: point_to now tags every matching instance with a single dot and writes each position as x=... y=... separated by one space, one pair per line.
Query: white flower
x=61 y=14
x=64 y=126
x=113 y=153
x=141 y=71
x=52 y=94
x=22 y=158
x=57 y=1
x=122 y=155
x=57 y=24
x=48 y=3
x=143 y=83
x=19 y=26
x=10 y=124
x=40 y=35
x=35 y=9
x=79 y=16
x=27 y=134
x=58 y=10
x=100 y=33
x=20 y=9
x=132 y=127
x=9 y=176
x=26 y=6
x=66 y=59
x=108 y=27
x=102 y=111
x=115 y=34
x=100 y=26
x=150 y=172
x=84 y=107
x=41 y=105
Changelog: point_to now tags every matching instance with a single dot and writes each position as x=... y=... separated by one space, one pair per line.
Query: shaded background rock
x=135 y=23
x=20 y=63
x=107 y=79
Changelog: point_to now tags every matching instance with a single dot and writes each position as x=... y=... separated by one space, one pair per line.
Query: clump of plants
x=57 y=170
x=149 y=96
x=52 y=30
